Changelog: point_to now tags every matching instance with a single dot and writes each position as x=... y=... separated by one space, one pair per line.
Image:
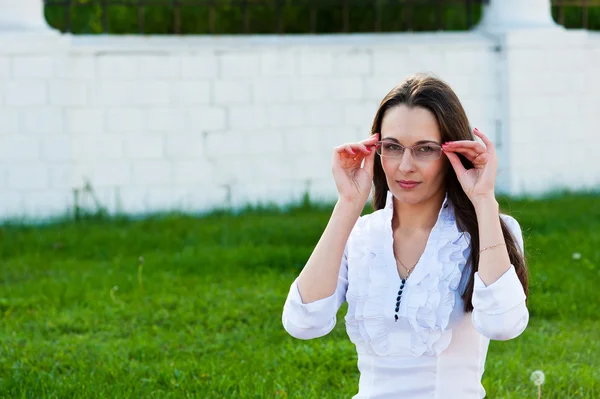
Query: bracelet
x=492 y=246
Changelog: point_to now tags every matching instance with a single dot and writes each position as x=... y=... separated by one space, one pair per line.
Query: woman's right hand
x=353 y=182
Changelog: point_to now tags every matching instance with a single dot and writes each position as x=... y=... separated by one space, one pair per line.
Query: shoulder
x=367 y=220
x=514 y=227
x=511 y=223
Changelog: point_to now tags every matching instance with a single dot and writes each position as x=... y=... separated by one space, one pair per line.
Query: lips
x=408 y=184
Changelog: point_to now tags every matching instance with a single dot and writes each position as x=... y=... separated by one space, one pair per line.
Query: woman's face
x=409 y=127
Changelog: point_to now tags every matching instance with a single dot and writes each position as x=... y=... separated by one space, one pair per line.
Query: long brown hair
x=438 y=97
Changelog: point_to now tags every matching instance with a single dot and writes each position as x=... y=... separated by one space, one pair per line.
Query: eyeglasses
x=422 y=152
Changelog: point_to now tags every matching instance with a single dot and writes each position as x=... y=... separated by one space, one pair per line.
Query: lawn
x=175 y=306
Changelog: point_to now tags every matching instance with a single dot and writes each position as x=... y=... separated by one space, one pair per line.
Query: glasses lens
x=390 y=149
x=427 y=152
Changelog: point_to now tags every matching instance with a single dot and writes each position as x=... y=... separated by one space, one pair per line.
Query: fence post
x=22 y=15
x=504 y=15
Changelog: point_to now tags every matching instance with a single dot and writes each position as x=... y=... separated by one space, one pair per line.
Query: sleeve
x=315 y=319
x=499 y=309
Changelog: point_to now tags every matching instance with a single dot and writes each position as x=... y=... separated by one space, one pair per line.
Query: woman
x=435 y=272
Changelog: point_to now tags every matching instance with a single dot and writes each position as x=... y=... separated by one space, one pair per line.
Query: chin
x=408 y=197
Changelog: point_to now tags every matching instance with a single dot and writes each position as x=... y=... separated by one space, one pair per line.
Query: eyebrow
x=417 y=143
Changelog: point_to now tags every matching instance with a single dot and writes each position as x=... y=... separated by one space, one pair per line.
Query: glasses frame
x=379 y=145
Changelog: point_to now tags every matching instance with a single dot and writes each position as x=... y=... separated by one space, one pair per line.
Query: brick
x=200 y=66
x=105 y=174
x=192 y=92
x=191 y=173
x=29 y=176
x=392 y=63
x=75 y=67
x=181 y=146
x=347 y=89
x=151 y=93
x=324 y=114
x=360 y=115
x=262 y=142
x=378 y=87
x=124 y=120
x=247 y=116
x=313 y=63
x=207 y=196
x=12 y=205
x=111 y=94
x=278 y=63
x=207 y=118
x=86 y=121
x=68 y=93
x=98 y=146
x=117 y=66
x=311 y=166
x=282 y=116
x=158 y=67
x=239 y=65
x=172 y=120
x=4 y=68
x=272 y=91
x=47 y=203
x=19 y=148
x=42 y=120
x=61 y=176
x=300 y=140
x=151 y=173
x=146 y=146
x=9 y=121
x=352 y=63
x=223 y=144
x=232 y=92
x=32 y=67
x=25 y=93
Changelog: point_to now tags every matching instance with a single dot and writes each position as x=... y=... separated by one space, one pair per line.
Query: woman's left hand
x=477 y=182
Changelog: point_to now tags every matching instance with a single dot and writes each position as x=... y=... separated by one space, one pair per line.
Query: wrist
x=350 y=205
x=485 y=203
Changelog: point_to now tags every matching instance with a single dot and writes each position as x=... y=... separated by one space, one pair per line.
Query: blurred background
x=165 y=173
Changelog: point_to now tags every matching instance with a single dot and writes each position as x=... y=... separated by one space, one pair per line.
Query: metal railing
x=287 y=16
x=577 y=8
x=269 y=16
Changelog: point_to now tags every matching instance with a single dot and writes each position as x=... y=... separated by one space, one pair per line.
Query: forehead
x=410 y=125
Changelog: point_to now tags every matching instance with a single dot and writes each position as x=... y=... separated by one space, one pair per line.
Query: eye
x=426 y=148
x=392 y=147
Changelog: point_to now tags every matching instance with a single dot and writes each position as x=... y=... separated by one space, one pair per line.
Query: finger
x=369 y=161
x=465 y=144
x=346 y=149
x=371 y=140
x=470 y=154
x=488 y=143
x=456 y=164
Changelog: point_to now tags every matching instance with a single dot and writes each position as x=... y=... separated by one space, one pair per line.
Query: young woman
x=435 y=272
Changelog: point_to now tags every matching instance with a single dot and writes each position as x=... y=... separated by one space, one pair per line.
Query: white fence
x=191 y=123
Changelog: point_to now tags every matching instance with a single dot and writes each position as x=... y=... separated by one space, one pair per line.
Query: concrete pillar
x=22 y=15
x=506 y=15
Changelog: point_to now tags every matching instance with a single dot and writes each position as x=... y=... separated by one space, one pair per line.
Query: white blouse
x=434 y=349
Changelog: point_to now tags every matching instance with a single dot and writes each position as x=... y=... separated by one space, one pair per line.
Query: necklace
x=402 y=281
x=408 y=271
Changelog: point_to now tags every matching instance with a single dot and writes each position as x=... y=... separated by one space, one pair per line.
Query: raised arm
x=320 y=289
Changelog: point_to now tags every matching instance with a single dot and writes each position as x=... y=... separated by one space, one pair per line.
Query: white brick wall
x=187 y=123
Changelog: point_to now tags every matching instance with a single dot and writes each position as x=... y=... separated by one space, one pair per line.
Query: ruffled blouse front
x=434 y=349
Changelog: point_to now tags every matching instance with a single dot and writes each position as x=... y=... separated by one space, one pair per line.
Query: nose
x=407 y=161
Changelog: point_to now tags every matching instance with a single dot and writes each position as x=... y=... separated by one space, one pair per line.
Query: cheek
x=435 y=170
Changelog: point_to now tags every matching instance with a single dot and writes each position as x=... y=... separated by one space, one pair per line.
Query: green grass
x=201 y=318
